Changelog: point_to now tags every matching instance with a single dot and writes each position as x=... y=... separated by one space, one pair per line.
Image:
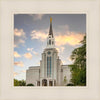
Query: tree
x=65 y=80
x=30 y=84
x=19 y=82
x=78 y=68
x=16 y=82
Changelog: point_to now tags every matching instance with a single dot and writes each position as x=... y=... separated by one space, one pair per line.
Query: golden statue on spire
x=50 y=19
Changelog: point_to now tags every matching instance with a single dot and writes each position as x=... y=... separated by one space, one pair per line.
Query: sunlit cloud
x=69 y=59
x=30 y=49
x=23 y=71
x=19 y=32
x=60 y=49
x=63 y=61
x=71 y=39
x=38 y=35
x=16 y=55
x=19 y=63
x=15 y=74
x=19 y=37
x=28 y=55
x=35 y=53
x=15 y=46
x=38 y=63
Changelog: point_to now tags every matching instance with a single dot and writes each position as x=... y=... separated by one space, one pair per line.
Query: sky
x=30 y=38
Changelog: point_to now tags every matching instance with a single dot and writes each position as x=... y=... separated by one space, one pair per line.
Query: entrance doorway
x=44 y=82
x=50 y=83
x=38 y=83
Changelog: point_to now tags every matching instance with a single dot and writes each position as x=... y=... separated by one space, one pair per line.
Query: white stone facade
x=51 y=71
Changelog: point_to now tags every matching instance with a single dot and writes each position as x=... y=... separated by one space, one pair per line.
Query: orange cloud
x=16 y=54
x=63 y=61
x=38 y=35
x=60 y=49
x=19 y=33
x=20 y=63
x=23 y=71
x=15 y=45
x=35 y=53
x=69 y=59
x=15 y=74
x=19 y=37
x=28 y=55
x=71 y=39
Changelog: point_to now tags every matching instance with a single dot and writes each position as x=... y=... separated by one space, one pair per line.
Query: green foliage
x=30 y=84
x=70 y=84
x=19 y=82
x=65 y=80
x=78 y=68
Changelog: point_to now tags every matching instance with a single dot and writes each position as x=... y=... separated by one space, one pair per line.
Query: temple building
x=51 y=71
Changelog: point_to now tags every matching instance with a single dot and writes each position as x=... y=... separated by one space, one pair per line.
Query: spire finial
x=50 y=30
x=50 y=19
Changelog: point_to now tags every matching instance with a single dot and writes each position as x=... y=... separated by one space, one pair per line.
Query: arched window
x=49 y=41
x=48 y=66
x=52 y=42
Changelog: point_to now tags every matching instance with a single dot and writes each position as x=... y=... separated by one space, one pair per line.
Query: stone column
x=47 y=82
x=36 y=83
x=40 y=82
x=53 y=82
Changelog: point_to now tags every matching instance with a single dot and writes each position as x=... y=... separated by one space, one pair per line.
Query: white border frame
x=7 y=91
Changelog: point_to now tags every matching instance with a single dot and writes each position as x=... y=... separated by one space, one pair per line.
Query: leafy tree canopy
x=78 y=68
x=19 y=82
x=30 y=84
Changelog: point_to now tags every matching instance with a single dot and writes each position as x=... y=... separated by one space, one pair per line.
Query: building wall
x=43 y=64
x=59 y=72
x=66 y=73
x=33 y=75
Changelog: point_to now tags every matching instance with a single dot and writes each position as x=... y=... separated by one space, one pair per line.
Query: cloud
x=60 y=49
x=35 y=53
x=15 y=73
x=63 y=61
x=37 y=16
x=16 y=55
x=15 y=46
x=28 y=55
x=64 y=27
x=71 y=39
x=69 y=59
x=19 y=37
x=19 y=33
x=30 y=49
x=20 y=63
x=38 y=35
x=24 y=71
x=61 y=39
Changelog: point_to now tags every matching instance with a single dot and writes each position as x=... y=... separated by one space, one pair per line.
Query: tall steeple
x=50 y=30
x=50 y=39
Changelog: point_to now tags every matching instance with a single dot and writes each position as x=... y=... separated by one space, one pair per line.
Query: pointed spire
x=50 y=30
